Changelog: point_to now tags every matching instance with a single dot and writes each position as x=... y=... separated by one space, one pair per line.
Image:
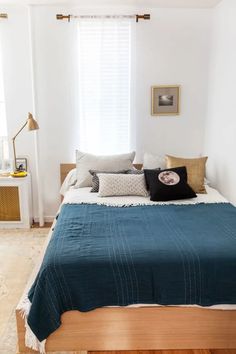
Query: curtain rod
x=3 y=15
x=69 y=17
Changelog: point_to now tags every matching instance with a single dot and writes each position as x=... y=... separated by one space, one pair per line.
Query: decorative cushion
x=86 y=162
x=151 y=161
x=122 y=184
x=134 y=172
x=147 y=181
x=169 y=184
x=195 y=169
x=95 y=179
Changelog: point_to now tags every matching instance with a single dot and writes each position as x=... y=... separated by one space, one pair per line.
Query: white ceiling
x=142 y=3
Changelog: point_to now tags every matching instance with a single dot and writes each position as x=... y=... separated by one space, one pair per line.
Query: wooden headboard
x=65 y=168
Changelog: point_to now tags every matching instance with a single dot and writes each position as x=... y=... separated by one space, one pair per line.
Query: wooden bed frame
x=145 y=328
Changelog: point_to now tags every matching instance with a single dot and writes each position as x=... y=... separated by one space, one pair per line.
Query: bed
x=146 y=326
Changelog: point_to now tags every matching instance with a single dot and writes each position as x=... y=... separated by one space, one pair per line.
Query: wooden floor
x=202 y=351
x=35 y=225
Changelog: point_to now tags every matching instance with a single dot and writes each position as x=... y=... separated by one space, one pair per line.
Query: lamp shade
x=31 y=123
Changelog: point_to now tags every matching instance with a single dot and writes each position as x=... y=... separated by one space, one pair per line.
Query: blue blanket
x=102 y=256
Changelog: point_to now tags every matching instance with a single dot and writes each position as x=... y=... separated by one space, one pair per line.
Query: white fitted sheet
x=83 y=196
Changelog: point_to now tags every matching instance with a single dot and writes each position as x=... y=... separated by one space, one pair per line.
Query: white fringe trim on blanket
x=31 y=341
x=133 y=204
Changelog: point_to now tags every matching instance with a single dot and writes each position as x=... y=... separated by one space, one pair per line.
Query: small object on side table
x=5 y=174
x=18 y=174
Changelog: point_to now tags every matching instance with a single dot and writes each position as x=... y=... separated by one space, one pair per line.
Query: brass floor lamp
x=31 y=125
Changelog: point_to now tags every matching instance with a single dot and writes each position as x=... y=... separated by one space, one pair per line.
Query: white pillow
x=151 y=161
x=121 y=184
x=69 y=181
x=207 y=182
x=86 y=162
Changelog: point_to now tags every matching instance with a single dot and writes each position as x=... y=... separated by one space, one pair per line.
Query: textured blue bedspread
x=100 y=256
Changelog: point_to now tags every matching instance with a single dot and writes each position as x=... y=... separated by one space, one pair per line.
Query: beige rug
x=19 y=251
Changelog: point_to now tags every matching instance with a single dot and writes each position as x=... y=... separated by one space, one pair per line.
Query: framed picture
x=165 y=100
x=21 y=164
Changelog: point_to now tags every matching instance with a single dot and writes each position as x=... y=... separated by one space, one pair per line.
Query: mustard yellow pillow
x=195 y=169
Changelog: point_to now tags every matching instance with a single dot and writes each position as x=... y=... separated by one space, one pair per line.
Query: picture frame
x=21 y=164
x=165 y=100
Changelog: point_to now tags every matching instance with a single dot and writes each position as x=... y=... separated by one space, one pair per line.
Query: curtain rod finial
x=143 y=17
x=3 y=15
x=62 y=17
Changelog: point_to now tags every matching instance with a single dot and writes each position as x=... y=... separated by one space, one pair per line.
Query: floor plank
x=35 y=225
x=225 y=351
x=197 y=351
x=159 y=352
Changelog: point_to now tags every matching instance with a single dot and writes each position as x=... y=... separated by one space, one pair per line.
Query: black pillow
x=146 y=179
x=169 y=184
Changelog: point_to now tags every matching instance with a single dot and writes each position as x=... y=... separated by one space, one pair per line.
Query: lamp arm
x=14 y=152
x=13 y=142
x=20 y=130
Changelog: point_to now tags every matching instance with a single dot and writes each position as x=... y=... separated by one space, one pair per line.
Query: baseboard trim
x=46 y=218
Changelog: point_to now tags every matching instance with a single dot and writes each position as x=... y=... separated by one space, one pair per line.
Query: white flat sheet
x=83 y=195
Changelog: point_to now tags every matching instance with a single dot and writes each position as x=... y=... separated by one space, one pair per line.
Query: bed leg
x=20 y=325
x=21 y=348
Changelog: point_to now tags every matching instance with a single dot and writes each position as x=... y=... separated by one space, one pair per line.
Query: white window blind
x=104 y=85
x=4 y=152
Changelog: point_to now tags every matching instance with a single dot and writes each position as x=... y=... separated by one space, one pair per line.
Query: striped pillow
x=95 y=179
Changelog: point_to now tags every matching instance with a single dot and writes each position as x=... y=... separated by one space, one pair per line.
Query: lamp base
x=18 y=174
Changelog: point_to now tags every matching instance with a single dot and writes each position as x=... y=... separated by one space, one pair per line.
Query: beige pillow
x=195 y=169
x=122 y=184
x=86 y=162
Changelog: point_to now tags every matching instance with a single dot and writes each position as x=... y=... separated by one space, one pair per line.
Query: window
x=104 y=85
x=4 y=153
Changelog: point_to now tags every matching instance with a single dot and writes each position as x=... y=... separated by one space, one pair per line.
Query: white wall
x=14 y=38
x=220 y=138
x=173 y=48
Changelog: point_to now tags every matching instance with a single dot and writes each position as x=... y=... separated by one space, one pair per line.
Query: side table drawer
x=9 y=203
